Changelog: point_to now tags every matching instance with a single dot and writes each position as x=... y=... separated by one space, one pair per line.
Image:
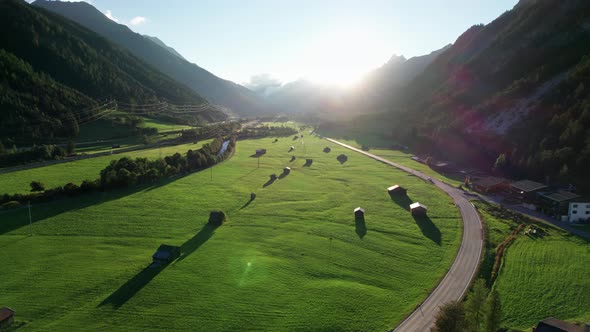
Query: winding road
x=455 y=283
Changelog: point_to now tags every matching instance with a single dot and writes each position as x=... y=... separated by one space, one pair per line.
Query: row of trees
x=224 y=128
x=11 y=157
x=482 y=311
x=127 y=172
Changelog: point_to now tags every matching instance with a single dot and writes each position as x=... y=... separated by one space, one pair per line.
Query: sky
x=326 y=41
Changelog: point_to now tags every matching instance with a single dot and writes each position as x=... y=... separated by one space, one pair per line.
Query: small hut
x=216 y=218
x=342 y=158
x=397 y=190
x=260 y=152
x=252 y=196
x=327 y=149
x=291 y=148
x=287 y=170
x=6 y=318
x=418 y=209
x=359 y=212
x=308 y=162
x=166 y=254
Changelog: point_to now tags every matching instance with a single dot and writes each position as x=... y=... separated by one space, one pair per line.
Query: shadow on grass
x=11 y=220
x=360 y=227
x=428 y=228
x=283 y=175
x=292 y=159
x=269 y=182
x=308 y=163
x=246 y=204
x=403 y=200
x=132 y=286
x=140 y=280
x=196 y=241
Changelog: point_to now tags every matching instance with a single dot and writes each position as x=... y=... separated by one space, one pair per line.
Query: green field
x=292 y=259
x=163 y=126
x=404 y=158
x=541 y=276
x=79 y=170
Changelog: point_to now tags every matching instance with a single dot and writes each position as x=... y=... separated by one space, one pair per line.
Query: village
x=527 y=196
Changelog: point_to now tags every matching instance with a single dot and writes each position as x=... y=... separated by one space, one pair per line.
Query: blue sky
x=328 y=41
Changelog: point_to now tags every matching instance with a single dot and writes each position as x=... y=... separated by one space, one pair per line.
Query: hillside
x=218 y=91
x=516 y=86
x=74 y=68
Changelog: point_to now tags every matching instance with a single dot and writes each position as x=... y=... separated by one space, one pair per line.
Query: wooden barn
x=418 y=209
x=216 y=218
x=359 y=212
x=490 y=184
x=397 y=190
x=166 y=254
x=6 y=318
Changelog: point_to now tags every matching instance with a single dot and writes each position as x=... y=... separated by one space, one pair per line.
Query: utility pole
x=258 y=162
x=30 y=220
x=211 y=173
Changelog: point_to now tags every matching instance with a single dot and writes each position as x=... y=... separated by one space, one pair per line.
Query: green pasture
x=293 y=259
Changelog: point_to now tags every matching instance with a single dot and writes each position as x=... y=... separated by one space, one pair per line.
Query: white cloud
x=137 y=20
x=109 y=14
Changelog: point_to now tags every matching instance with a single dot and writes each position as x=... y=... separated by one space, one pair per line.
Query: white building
x=578 y=211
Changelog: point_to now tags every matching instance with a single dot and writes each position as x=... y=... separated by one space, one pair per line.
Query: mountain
x=160 y=43
x=218 y=91
x=378 y=86
x=52 y=68
x=513 y=91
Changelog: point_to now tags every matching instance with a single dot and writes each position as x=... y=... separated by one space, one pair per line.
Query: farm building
x=166 y=254
x=216 y=218
x=397 y=190
x=556 y=325
x=489 y=184
x=260 y=152
x=327 y=149
x=556 y=203
x=287 y=170
x=291 y=148
x=6 y=318
x=578 y=212
x=526 y=189
x=418 y=209
x=359 y=212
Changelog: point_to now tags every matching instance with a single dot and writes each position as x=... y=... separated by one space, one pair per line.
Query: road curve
x=459 y=276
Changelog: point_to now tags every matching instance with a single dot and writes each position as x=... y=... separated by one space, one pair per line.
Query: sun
x=341 y=57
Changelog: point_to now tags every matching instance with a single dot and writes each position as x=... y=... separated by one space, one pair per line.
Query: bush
x=71 y=189
x=37 y=186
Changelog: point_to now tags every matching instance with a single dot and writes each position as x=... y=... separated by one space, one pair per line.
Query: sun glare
x=342 y=57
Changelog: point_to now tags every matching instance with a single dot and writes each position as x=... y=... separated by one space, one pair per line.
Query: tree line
x=126 y=172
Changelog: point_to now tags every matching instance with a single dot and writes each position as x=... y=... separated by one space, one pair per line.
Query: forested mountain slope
x=218 y=91
x=53 y=68
x=517 y=87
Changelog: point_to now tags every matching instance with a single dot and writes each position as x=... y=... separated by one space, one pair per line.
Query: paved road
x=457 y=280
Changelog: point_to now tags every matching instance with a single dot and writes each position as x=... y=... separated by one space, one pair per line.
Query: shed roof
x=394 y=187
x=560 y=196
x=359 y=209
x=488 y=181
x=528 y=185
x=287 y=168
x=418 y=205
x=6 y=313
x=556 y=325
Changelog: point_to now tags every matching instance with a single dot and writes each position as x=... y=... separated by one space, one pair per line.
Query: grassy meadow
x=541 y=277
x=79 y=170
x=292 y=259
